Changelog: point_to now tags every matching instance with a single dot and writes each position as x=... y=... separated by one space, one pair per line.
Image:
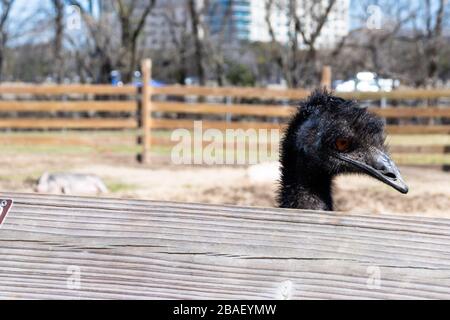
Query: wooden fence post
x=326 y=77
x=146 y=107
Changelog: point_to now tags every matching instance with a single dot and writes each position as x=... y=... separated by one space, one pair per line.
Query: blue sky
x=27 y=7
x=24 y=9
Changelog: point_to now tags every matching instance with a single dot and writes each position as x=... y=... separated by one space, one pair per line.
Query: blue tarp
x=153 y=83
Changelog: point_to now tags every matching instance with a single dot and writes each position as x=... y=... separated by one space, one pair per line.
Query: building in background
x=336 y=27
x=258 y=29
x=244 y=20
x=231 y=18
x=166 y=24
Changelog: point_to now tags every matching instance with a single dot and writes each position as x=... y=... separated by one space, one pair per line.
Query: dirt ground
x=429 y=189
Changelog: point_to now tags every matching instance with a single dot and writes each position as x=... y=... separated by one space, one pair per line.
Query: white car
x=367 y=82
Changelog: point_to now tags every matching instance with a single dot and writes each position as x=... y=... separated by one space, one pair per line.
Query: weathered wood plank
x=151 y=249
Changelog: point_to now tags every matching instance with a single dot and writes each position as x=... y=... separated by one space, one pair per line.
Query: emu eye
x=342 y=144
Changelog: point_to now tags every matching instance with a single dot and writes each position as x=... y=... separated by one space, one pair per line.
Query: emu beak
x=380 y=166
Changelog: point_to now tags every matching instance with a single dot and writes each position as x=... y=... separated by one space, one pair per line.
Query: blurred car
x=366 y=82
x=116 y=79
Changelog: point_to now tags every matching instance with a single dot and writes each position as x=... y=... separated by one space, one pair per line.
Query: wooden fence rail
x=152 y=108
x=69 y=89
x=295 y=94
x=128 y=249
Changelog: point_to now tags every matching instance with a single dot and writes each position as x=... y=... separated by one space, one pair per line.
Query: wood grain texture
x=128 y=249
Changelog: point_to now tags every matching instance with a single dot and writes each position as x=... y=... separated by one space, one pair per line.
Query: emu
x=326 y=137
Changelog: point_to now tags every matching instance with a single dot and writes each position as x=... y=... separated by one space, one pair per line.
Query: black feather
x=307 y=164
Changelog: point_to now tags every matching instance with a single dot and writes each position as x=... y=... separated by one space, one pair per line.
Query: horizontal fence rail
x=70 y=106
x=286 y=111
x=264 y=93
x=175 y=90
x=223 y=125
x=43 y=111
x=69 y=123
x=69 y=89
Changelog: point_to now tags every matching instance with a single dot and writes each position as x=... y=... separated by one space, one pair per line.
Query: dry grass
x=21 y=166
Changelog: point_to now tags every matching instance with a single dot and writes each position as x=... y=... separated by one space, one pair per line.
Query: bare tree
x=216 y=44
x=193 y=40
x=100 y=40
x=374 y=43
x=109 y=50
x=5 y=10
x=298 y=66
x=180 y=36
x=409 y=45
x=58 y=6
x=430 y=41
x=132 y=23
x=196 y=13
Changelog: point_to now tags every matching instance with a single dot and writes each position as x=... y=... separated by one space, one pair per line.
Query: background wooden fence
x=146 y=109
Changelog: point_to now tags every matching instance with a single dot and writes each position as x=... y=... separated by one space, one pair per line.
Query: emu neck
x=304 y=185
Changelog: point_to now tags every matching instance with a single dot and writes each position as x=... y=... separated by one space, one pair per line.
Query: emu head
x=339 y=136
